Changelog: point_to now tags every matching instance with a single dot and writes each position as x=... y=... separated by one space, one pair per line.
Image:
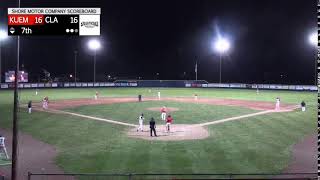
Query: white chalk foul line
x=92 y=117
x=241 y=117
x=201 y=124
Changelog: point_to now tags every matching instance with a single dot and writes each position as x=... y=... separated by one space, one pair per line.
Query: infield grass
x=188 y=113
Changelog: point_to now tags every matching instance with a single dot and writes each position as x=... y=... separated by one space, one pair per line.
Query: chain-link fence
x=134 y=176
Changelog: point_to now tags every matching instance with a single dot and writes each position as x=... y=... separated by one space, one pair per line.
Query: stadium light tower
x=3 y=36
x=94 y=45
x=221 y=45
x=313 y=40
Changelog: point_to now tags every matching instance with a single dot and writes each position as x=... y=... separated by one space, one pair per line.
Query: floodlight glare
x=222 y=45
x=3 y=35
x=94 y=44
x=313 y=39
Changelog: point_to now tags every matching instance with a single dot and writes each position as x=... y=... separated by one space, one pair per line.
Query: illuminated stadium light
x=222 y=45
x=94 y=44
x=3 y=35
x=313 y=39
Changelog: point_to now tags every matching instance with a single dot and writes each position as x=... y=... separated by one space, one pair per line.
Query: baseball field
x=224 y=131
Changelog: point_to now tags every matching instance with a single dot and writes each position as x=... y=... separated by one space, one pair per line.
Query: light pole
x=3 y=36
x=221 y=46
x=94 y=45
x=313 y=40
x=75 y=66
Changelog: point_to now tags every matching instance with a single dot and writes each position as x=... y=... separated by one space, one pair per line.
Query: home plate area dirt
x=177 y=132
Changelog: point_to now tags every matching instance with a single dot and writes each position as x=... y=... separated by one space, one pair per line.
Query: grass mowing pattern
x=189 y=113
x=258 y=144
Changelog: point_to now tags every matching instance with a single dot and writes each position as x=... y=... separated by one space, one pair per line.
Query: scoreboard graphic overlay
x=54 y=21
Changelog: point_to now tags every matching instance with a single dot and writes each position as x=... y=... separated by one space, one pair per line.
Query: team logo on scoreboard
x=89 y=25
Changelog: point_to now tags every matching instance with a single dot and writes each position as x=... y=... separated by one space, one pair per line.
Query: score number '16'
x=48 y=19
x=74 y=20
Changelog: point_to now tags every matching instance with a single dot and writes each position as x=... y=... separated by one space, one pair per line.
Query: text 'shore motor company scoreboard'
x=54 y=21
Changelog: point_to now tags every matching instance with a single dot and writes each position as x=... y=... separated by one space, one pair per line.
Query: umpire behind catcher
x=152 y=127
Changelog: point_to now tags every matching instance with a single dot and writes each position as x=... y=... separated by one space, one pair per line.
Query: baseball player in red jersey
x=169 y=122
x=163 y=113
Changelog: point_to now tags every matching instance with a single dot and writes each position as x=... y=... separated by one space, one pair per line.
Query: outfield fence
x=136 y=176
x=161 y=84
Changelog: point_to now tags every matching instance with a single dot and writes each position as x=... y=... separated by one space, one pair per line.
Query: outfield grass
x=264 y=95
x=259 y=144
x=188 y=113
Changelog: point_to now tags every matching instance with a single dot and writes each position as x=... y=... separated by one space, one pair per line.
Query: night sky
x=269 y=38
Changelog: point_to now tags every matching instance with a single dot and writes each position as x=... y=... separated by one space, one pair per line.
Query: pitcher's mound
x=169 y=109
x=177 y=132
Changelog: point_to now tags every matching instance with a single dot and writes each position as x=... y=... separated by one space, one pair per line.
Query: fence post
x=29 y=176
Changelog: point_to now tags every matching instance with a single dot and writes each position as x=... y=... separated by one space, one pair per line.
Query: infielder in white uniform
x=303 y=106
x=45 y=102
x=195 y=97
x=29 y=107
x=159 y=95
x=278 y=103
x=96 y=95
x=141 y=118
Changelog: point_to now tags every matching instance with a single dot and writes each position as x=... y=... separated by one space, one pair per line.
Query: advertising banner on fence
x=34 y=85
x=188 y=85
x=4 y=86
x=27 y=85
